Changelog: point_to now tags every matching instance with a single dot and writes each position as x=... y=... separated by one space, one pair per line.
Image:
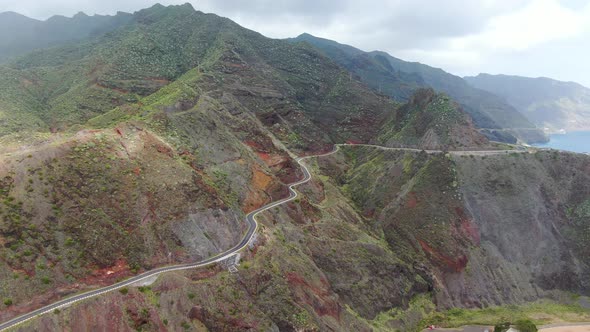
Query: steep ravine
x=372 y=231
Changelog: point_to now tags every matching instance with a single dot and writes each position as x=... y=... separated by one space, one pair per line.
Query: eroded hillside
x=148 y=145
x=378 y=240
x=492 y=229
x=180 y=147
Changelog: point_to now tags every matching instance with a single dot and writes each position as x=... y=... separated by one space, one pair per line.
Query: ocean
x=577 y=141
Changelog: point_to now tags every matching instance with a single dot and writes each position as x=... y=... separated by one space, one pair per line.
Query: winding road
x=252 y=228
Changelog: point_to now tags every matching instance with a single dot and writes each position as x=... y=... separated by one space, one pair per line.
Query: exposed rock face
x=379 y=229
x=491 y=230
x=187 y=139
x=208 y=232
x=199 y=313
x=524 y=209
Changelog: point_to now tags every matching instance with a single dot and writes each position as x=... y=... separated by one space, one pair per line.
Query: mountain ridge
x=552 y=104
x=383 y=72
x=161 y=135
x=20 y=34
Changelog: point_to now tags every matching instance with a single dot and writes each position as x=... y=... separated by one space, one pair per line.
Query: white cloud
x=541 y=21
x=540 y=38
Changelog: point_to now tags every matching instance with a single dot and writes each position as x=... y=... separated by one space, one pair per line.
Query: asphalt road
x=252 y=228
x=456 y=152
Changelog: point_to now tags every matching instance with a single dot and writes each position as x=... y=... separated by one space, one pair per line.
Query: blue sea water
x=577 y=141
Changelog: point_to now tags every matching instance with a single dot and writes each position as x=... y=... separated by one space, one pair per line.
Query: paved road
x=458 y=153
x=252 y=228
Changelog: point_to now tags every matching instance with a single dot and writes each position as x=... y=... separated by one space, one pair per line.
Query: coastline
x=573 y=141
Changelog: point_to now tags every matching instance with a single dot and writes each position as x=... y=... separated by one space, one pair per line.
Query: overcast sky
x=465 y=37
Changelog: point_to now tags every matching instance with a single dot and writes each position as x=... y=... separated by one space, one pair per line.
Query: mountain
x=298 y=98
x=431 y=121
x=489 y=228
x=160 y=136
x=20 y=34
x=399 y=79
x=550 y=104
x=147 y=146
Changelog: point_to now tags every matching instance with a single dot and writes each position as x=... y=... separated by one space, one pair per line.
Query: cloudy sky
x=524 y=37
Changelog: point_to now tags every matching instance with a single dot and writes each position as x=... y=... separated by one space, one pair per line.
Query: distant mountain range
x=137 y=141
x=20 y=34
x=550 y=104
x=504 y=108
x=399 y=79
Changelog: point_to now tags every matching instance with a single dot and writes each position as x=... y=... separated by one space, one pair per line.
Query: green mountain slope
x=398 y=79
x=176 y=100
x=19 y=108
x=20 y=34
x=294 y=89
x=147 y=145
x=548 y=103
x=431 y=121
x=492 y=229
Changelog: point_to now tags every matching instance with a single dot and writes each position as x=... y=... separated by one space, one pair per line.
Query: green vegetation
x=432 y=121
x=525 y=325
x=184 y=108
x=400 y=79
x=409 y=319
x=301 y=319
x=583 y=210
x=144 y=289
x=527 y=315
x=502 y=327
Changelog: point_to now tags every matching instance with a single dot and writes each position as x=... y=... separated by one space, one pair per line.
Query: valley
x=230 y=253
x=172 y=170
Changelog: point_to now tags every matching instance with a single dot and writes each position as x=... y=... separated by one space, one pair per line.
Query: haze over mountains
x=399 y=79
x=142 y=140
x=491 y=104
x=20 y=34
x=548 y=103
